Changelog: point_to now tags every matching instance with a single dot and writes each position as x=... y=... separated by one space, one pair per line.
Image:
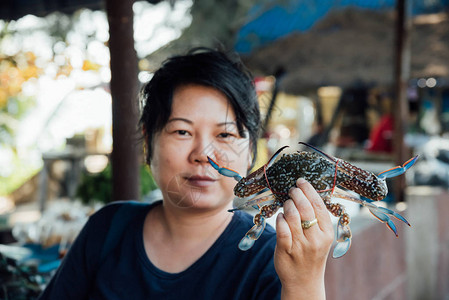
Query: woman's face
x=202 y=123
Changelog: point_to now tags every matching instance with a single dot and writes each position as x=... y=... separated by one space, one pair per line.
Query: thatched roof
x=351 y=47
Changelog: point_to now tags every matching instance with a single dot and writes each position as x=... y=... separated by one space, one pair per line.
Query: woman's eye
x=182 y=132
x=226 y=135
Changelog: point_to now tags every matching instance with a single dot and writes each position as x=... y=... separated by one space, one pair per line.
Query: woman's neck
x=175 y=238
x=180 y=224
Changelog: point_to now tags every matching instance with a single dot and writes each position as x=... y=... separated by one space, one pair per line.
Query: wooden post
x=124 y=86
x=401 y=77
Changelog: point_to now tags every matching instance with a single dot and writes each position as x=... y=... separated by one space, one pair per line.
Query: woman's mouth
x=200 y=181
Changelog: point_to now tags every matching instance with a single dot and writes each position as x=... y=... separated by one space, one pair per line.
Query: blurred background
x=364 y=80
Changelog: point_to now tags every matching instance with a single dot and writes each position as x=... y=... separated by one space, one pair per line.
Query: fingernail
x=301 y=181
x=290 y=190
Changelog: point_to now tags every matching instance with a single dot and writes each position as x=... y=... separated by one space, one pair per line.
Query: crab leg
x=344 y=235
x=381 y=213
x=260 y=221
x=254 y=203
x=252 y=235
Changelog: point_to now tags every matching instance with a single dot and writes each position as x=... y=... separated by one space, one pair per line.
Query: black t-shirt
x=125 y=272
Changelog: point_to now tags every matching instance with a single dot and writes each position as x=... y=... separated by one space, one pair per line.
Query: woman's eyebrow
x=227 y=124
x=191 y=122
x=180 y=119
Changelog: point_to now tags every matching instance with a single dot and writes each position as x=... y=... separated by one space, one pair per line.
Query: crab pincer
x=223 y=170
x=398 y=170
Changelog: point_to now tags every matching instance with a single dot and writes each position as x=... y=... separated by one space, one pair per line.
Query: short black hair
x=207 y=67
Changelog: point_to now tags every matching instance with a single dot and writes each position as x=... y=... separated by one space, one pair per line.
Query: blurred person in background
x=381 y=134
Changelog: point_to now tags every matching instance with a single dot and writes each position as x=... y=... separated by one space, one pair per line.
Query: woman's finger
x=302 y=204
x=319 y=208
x=292 y=217
x=306 y=213
x=283 y=234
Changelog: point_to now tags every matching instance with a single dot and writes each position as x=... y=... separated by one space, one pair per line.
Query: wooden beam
x=401 y=75
x=124 y=86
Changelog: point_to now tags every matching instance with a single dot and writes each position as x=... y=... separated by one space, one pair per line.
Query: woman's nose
x=201 y=149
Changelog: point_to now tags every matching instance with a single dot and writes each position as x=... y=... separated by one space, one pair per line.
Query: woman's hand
x=301 y=254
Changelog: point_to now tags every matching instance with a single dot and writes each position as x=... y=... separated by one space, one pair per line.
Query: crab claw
x=393 y=213
x=344 y=237
x=252 y=235
x=382 y=213
x=399 y=170
x=224 y=171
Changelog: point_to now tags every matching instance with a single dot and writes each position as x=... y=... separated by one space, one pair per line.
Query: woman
x=185 y=246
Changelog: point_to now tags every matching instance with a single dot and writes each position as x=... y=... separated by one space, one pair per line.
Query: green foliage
x=147 y=183
x=98 y=187
x=19 y=172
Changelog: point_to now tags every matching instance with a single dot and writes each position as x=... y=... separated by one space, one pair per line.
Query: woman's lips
x=200 y=181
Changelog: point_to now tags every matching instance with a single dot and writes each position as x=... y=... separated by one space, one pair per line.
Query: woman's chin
x=196 y=199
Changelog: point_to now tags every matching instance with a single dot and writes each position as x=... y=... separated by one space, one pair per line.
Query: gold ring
x=308 y=224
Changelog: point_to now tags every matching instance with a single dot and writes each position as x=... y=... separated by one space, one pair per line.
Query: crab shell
x=322 y=173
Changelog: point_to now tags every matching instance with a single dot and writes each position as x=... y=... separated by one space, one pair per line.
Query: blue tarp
x=267 y=25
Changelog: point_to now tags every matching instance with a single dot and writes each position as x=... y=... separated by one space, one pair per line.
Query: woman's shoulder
x=111 y=208
x=111 y=220
x=105 y=215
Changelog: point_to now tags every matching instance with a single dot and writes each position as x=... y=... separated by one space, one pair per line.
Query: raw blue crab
x=325 y=173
